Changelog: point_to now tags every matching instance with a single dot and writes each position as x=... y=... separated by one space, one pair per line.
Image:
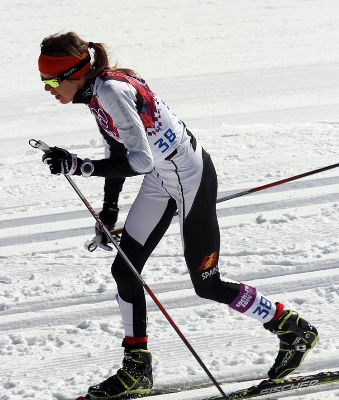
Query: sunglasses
x=52 y=82
x=55 y=81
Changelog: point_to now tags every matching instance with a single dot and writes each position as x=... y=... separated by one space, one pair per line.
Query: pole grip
x=39 y=144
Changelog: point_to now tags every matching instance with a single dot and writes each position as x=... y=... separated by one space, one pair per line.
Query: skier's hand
x=109 y=216
x=100 y=240
x=60 y=161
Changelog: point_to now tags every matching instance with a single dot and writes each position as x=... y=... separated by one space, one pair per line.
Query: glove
x=60 y=161
x=109 y=216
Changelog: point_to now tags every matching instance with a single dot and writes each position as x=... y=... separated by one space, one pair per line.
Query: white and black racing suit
x=179 y=175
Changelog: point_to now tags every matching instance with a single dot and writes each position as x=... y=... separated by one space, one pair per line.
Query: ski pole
x=269 y=185
x=293 y=178
x=38 y=144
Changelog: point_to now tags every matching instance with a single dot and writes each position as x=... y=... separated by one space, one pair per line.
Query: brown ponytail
x=65 y=44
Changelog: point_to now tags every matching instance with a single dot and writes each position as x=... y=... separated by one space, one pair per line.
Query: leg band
x=252 y=303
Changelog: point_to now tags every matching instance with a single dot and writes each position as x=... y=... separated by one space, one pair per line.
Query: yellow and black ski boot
x=297 y=337
x=131 y=381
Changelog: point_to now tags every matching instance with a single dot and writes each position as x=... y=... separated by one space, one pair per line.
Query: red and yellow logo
x=208 y=261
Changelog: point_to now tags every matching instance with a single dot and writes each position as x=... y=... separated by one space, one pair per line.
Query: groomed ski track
x=37 y=323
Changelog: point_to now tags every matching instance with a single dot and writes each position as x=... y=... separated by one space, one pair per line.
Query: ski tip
x=83 y=398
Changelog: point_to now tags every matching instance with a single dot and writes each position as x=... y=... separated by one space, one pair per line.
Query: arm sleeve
x=117 y=168
x=119 y=100
x=113 y=186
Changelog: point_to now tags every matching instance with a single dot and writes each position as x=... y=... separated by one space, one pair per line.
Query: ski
x=270 y=388
x=264 y=388
x=154 y=392
x=159 y=392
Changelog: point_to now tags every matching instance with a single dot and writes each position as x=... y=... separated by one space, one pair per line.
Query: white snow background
x=257 y=82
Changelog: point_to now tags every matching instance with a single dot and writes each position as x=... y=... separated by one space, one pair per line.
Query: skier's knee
x=205 y=292
x=117 y=269
x=217 y=290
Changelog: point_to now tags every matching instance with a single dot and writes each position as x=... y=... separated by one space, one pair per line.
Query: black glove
x=60 y=161
x=109 y=216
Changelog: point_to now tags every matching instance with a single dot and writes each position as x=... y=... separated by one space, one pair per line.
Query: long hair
x=70 y=44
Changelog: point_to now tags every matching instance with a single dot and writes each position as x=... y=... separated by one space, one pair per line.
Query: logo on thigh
x=207 y=264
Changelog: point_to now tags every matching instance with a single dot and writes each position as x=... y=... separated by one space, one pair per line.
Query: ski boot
x=133 y=380
x=297 y=338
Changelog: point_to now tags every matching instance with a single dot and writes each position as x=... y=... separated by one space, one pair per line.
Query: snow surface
x=257 y=83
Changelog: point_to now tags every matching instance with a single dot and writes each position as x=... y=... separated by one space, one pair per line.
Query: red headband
x=54 y=65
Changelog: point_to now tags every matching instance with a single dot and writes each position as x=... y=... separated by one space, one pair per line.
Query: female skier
x=143 y=136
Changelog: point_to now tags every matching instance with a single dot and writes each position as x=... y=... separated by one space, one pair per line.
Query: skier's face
x=66 y=89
